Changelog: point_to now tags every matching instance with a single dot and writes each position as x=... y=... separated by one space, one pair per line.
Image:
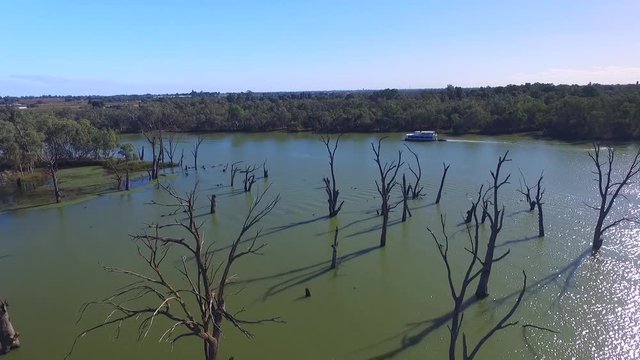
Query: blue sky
x=125 y=47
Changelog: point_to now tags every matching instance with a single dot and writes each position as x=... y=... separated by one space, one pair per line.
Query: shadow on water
x=374 y=228
x=303 y=274
x=426 y=327
x=2 y=257
x=518 y=241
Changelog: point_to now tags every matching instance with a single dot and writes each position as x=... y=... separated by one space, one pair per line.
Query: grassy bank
x=77 y=182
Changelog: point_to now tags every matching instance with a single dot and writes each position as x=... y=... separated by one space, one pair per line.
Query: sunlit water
x=379 y=302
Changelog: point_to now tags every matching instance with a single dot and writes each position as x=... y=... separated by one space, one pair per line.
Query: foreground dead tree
x=388 y=173
x=194 y=151
x=8 y=336
x=538 y=201
x=609 y=190
x=458 y=294
x=330 y=184
x=193 y=303
x=444 y=175
x=495 y=216
x=416 y=189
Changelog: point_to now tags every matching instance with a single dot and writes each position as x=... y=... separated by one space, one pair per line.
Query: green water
x=378 y=302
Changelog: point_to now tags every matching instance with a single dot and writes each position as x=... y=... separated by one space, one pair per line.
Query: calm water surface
x=379 y=302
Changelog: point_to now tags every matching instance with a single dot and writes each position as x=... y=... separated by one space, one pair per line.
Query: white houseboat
x=421 y=136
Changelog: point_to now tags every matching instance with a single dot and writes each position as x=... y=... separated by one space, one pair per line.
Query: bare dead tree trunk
x=196 y=148
x=53 y=172
x=141 y=153
x=444 y=175
x=538 y=202
x=406 y=190
x=388 y=173
x=212 y=203
x=127 y=180
x=8 y=336
x=265 y=172
x=330 y=184
x=458 y=294
x=416 y=189
x=526 y=191
x=609 y=190
x=181 y=158
x=198 y=294
x=249 y=177
x=334 y=250
x=171 y=148
x=495 y=219
x=234 y=171
x=152 y=139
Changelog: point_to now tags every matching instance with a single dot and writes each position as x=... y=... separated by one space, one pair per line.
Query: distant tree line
x=591 y=112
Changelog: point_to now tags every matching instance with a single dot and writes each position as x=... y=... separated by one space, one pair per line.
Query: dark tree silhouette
x=444 y=175
x=416 y=189
x=609 y=190
x=330 y=184
x=388 y=173
x=538 y=202
x=195 y=150
x=495 y=217
x=458 y=294
x=194 y=301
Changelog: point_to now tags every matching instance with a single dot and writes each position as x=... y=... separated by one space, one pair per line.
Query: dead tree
x=444 y=174
x=609 y=190
x=181 y=158
x=249 y=177
x=334 y=250
x=50 y=157
x=116 y=174
x=234 y=170
x=330 y=184
x=193 y=301
x=526 y=191
x=153 y=140
x=212 y=204
x=194 y=151
x=171 y=147
x=9 y=338
x=406 y=190
x=538 y=201
x=495 y=217
x=141 y=153
x=485 y=206
x=458 y=294
x=416 y=189
x=265 y=172
x=388 y=173
x=127 y=180
x=471 y=213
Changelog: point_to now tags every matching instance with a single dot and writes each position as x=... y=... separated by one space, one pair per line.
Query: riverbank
x=78 y=181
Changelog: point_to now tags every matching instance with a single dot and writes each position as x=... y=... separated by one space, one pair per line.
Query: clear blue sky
x=138 y=46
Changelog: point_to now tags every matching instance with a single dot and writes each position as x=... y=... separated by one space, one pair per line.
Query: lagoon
x=379 y=302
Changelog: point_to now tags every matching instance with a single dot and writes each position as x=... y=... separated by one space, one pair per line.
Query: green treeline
x=565 y=111
x=30 y=139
